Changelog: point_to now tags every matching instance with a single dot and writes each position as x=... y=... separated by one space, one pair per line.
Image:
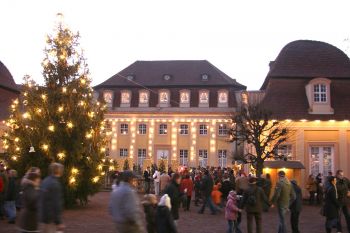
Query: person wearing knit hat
x=164 y=219
x=231 y=211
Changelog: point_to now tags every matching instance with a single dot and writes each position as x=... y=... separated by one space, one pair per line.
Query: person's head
x=151 y=198
x=340 y=174
x=165 y=201
x=34 y=170
x=281 y=174
x=128 y=177
x=13 y=173
x=294 y=182
x=232 y=194
x=176 y=178
x=34 y=177
x=268 y=176
x=332 y=180
x=56 y=169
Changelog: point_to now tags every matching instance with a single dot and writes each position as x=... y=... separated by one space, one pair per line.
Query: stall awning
x=283 y=164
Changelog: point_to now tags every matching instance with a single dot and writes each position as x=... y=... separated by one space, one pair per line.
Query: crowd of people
x=39 y=202
x=236 y=195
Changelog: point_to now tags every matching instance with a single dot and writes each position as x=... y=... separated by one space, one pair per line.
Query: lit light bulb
x=61 y=155
x=99 y=167
x=74 y=171
x=16 y=139
x=72 y=180
x=70 y=125
x=82 y=81
x=14 y=158
x=51 y=128
x=26 y=115
x=60 y=109
x=45 y=147
x=38 y=111
x=62 y=57
x=95 y=179
x=43 y=96
x=64 y=89
x=111 y=168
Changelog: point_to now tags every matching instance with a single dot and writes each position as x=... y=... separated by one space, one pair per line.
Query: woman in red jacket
x=186 y=188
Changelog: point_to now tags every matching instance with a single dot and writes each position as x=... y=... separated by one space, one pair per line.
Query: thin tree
x=253 y=125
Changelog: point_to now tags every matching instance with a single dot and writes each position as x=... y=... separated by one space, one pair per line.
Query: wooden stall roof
x=283 y=164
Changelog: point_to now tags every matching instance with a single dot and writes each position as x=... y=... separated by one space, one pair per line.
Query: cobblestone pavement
x=95 y=219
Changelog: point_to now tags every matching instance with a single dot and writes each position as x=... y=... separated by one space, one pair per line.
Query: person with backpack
x=283 y=196
x=253 y=200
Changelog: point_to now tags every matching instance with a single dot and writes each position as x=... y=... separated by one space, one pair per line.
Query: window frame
x=223 y=104
x=320 y=94
x=221 y=158
x=122 y=152
x=183 y=157
x=162 y=103
x=124 y=128
x=141 y=156
x=142 y=129
x=203 y=132
x=201 y=158
x=144 y=104
x=163 y=130
x=279 y=148
x=222 y=132
x=200 y=101
x=184 y=131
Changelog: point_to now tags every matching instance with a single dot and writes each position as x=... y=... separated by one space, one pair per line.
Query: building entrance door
x=162 y=155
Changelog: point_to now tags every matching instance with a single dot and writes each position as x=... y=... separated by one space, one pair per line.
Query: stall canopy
x=283 y=164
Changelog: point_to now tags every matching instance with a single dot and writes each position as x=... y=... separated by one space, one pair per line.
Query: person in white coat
x=156 y=179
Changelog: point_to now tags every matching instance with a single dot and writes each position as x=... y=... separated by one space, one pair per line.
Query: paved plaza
x=95 y=219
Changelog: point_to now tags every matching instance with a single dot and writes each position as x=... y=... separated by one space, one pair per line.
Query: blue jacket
x=51 y=201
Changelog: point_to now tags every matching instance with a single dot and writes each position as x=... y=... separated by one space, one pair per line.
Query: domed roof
x=6 y=79
x=307 y=58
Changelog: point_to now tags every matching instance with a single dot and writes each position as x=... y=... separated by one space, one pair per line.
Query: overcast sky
x=238 y=38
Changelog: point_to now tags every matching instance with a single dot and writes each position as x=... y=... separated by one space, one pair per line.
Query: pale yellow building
x=175 y=111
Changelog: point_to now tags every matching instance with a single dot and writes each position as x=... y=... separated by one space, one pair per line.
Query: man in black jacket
x=147 y=179
x=52 y=200
x=343 y=188
x=206 y=189
x=295 y=207
x=173 y=191
x=11 y=196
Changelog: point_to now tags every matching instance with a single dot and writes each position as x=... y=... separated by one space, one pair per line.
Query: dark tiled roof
x=6 y=98
x=287 y=99
x=306 y=58
x=182 y=73
x=283 y=164
x=6 y=79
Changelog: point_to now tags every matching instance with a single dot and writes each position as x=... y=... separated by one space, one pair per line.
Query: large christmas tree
x=60 y=121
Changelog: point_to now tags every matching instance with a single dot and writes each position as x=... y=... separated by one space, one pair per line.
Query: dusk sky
x=238 y=38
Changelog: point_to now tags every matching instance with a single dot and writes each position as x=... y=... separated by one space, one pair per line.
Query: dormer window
x=125 y=99
x=319 y=96
x=108 y=98
x=320 y=93
x=204 y=98
x=205 y=77
x=164 y=98
x=184 y=98
x=222 y=98
x=143 y=98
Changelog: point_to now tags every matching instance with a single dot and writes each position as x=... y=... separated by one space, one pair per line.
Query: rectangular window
x=285 y=151
x=124 y=128
x=123 y=152
x=183 y=157
x=203 y=158
x=321 y=160
x=222 y=154
x=141 y=156
x=203 y=130
x=223 y=130
x=320 y=93
x=142 y=128
x=163 y=129
x=183 y=129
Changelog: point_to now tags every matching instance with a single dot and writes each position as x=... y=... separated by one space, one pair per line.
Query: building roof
x=6 y=79
x=309 y=59
x=297 y=64
x=181 y=73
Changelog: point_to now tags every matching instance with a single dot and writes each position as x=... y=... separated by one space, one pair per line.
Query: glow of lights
x=82 y=81
x=111 y=168
x=60 y=109
x=74 y=171
x=14 y=158
x=51 y=128
x=72 y=180
x=70 y=124
x=331 y=121
x=43 y=96
x=95 y=179
x=16 y=139
x=45 y=147
x=61 y=155
x=64 y=89
x=303 y=120
x=26 y=115
x=317 y=121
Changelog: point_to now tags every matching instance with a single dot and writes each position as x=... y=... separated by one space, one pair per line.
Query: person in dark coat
x=164 y=219
x=51 y=200
x=253 y=201
x=331 y=205
x=173 y=191
x=28 y=217
x=295 y=207
x=226 y=186
x=150 y=209
x=11 y=197
x=206 y=189
x=147 y=180
x=343 y=188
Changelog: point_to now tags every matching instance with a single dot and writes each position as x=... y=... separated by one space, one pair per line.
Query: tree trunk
x=259 y=167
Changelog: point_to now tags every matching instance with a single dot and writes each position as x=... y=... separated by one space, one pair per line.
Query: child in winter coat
x=216 y=194
x=231 y=211
x=150 y=209
x=164 y=219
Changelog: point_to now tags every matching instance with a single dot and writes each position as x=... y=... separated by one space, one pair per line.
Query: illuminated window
x=125 y=97
x=321 y=160
x=185 y=97
x=141 y=156
x=222 y=154
x=223 y=97
x=123 y=152
x=203 y=97
x=183 y=157
x=183 y=129
x=223 y=130
x=163 y=129
x=108 y=97
x=124 y=128
x=164 y=98
x=203 y=158
x=285 y=151
x=142 y=128
x=143 y=98
x=320 y=93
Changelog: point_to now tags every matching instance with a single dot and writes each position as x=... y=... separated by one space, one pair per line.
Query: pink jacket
x=231 y=209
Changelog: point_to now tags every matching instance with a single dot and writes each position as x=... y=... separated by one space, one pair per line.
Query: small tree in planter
x=162 y=166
